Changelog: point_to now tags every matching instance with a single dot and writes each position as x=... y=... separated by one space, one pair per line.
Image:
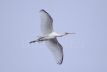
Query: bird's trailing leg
x=33 y=41
x=38 y=40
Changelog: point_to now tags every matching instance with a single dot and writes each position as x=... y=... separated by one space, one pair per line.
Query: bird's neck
x=60 y=35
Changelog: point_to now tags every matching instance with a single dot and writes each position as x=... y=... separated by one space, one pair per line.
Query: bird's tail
x=39 y=39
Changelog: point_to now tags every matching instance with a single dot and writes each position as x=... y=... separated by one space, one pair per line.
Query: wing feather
x=56 y=49
x=46 y=22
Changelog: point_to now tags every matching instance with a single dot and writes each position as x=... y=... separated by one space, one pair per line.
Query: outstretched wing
x=56 y=49
x=46 y=22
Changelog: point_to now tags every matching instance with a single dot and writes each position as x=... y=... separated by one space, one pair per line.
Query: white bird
x=49 y=36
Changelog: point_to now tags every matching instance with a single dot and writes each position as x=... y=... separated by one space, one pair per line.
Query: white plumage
x=49 y=36
x=47 y=29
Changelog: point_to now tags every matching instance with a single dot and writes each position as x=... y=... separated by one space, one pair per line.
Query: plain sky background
x=86 y=51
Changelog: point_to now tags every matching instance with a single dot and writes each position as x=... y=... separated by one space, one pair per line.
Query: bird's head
x=65 y=33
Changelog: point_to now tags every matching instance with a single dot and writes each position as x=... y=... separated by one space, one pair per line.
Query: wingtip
x=60 y=62
x=42 y=10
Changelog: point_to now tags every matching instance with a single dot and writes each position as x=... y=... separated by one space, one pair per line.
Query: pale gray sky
x=86 y=51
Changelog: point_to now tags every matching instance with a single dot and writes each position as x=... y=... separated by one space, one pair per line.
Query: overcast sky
x=86 y=51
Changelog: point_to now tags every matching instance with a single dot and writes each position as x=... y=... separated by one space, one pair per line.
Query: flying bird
x=50 y=37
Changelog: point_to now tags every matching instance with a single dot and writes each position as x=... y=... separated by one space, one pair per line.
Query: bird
x=50 y=37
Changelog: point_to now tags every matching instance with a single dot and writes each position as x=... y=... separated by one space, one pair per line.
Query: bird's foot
x=32 y=42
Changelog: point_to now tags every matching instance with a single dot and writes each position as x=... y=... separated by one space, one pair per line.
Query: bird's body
x=49 y=36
